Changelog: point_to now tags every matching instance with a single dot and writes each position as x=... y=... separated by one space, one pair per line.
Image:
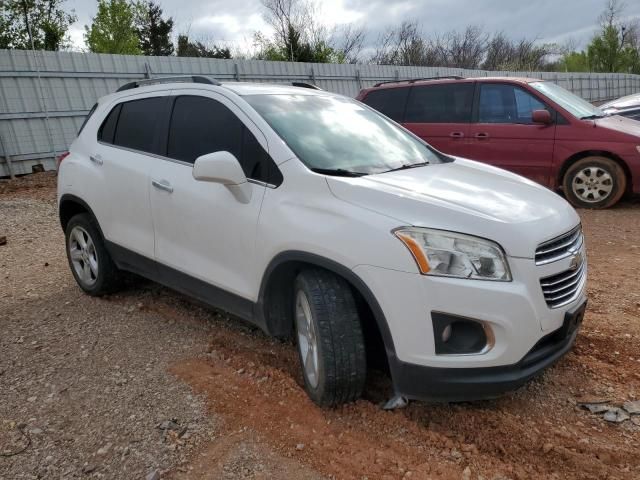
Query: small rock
x=632 y=407
x=168 y=425
x=300 y=446
x=3 y=240
x=32 y=399
x=455 y=454
x=155 y=475
x=90 y=468
x=547 y=447
x=596 y=407
x=35 y=431
x=466 y=474
x=616 y=415
x=103 y=450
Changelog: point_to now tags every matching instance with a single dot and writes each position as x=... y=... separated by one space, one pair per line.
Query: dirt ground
x=146 y=384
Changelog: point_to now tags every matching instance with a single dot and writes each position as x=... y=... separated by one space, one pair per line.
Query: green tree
x=611 y=52
x=154 y=32
x=574 y=62
x=187 y=48
x=112 y=29
x=48 y=22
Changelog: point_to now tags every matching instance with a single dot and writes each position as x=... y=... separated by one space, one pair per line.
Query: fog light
x=456 y=335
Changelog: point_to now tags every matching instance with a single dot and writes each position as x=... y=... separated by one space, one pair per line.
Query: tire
x=91 y=266
x=594 y=182
x=329 y=321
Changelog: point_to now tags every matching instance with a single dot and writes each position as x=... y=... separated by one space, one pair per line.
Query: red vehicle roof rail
x=413 y=80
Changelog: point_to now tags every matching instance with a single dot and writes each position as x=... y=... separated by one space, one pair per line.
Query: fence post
x=236 y=72
x=7 y=158
x=358 y=79
x=147 y=70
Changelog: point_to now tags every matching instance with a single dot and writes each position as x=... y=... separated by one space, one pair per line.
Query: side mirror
x=224 y=168
x=541 y=116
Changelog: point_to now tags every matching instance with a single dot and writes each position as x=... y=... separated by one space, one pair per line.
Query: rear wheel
x=594 y=182
x=330 y=339
x=89 y=260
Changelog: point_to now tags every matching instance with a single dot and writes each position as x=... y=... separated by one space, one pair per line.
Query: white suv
x=310 y=214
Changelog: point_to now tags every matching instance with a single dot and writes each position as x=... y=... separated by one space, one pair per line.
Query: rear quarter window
x=86 y=119
x=108 y=128
x=388 y=101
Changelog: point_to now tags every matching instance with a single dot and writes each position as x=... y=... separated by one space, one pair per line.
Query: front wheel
x=330 y=339
x=594 y=182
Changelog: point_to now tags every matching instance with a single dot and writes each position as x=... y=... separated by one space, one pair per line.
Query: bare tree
x=401 y=46
x=466 y=49
x=349 y=39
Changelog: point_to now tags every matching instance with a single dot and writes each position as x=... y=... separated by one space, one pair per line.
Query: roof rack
x=413 y=80
x=306 y=85
x=176 y=78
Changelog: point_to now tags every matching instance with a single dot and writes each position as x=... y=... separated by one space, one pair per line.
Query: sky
x=235 y=21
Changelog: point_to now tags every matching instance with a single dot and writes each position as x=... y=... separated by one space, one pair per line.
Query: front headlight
x=450 y=254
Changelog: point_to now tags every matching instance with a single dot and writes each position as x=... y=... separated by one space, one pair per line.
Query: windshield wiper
x=338 y=172
x=407 y=166
x=592 y=117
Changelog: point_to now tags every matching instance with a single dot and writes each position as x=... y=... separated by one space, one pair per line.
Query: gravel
x=84 y=381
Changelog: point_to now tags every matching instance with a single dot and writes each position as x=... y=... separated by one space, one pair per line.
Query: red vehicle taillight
x=61 y=158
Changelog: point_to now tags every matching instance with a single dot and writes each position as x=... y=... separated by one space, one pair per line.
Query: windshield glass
x=340 y=135
x=572 y=103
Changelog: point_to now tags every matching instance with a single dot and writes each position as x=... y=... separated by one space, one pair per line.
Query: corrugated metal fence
x=44 y=96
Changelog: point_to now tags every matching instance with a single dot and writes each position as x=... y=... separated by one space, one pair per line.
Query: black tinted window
x=388 y=101
x=446 y=103
x=108 y=127
x=137 y=123
x=201 y=125
x=502 y=103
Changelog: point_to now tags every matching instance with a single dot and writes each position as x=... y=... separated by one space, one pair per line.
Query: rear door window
x=503 y=103
x=443 y=103
x=201 y=125
x=388 y=101
x=136 y=126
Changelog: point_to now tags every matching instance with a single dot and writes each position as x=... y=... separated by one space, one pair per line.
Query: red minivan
x=532 y=127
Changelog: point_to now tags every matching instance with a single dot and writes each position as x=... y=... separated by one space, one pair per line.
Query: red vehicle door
x=440 y=114
x=504 y=134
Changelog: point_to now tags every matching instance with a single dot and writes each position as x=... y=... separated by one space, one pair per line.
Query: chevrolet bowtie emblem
x=576 y=261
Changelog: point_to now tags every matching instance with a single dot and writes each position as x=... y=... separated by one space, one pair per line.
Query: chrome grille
x=563 y=287
x=560 y=247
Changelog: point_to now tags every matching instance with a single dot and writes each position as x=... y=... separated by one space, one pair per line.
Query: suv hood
x=464 y=196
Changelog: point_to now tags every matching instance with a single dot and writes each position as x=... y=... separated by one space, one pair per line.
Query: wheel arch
x=69 y=206
x=274 y=306
x=595 y=153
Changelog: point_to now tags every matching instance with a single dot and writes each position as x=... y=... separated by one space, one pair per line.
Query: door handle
x=481 y=135
x=162 y=185
x=456 y=134
x=97 y=159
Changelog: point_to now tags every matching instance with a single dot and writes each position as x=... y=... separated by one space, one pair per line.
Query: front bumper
x=467 y=384
x=516 y=311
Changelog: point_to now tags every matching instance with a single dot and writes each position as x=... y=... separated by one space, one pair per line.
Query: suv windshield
x=340 y=136
x=572 y=103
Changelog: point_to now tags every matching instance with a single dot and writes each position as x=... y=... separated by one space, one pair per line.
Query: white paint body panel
x=201 y=229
